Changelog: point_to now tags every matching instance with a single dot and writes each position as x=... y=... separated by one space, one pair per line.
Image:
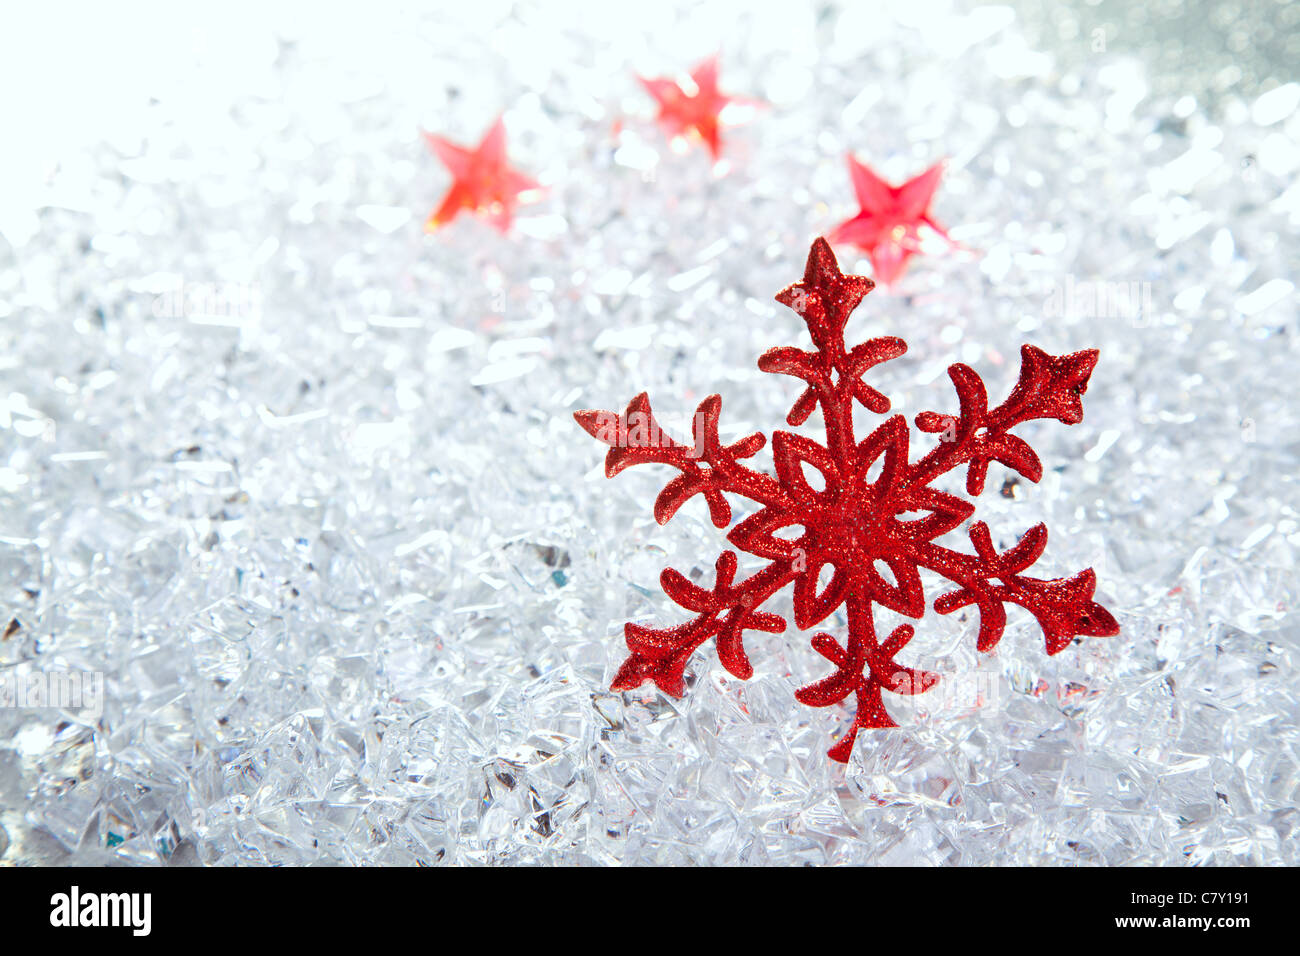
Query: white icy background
x=350 y=570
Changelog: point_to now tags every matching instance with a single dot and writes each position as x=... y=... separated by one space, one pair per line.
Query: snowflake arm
x=824 y=298
x=863 y=668
x=707 y=466
x=1063 y=606
x=1048 y=387
x=726 y=612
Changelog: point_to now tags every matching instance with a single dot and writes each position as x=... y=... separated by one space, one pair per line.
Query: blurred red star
x=693 y=109
x=483 y=181
x=888 y=225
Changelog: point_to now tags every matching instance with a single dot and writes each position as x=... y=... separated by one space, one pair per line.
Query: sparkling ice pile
x=300 y=484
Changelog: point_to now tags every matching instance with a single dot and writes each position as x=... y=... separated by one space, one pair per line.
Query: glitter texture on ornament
x=292 y=497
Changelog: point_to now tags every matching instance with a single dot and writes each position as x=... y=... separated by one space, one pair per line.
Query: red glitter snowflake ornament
x=862 y=518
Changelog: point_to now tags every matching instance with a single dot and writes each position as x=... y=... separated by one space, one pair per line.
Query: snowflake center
x=860 y=528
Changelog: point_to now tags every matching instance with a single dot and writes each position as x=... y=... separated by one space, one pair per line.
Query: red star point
x=692 y=111
x=890 y=218
x=483 y=181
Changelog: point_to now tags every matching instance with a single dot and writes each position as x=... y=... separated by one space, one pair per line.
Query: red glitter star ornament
x=873 y=518
x=693 y=109
x=890 y=218
x=483 y=181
